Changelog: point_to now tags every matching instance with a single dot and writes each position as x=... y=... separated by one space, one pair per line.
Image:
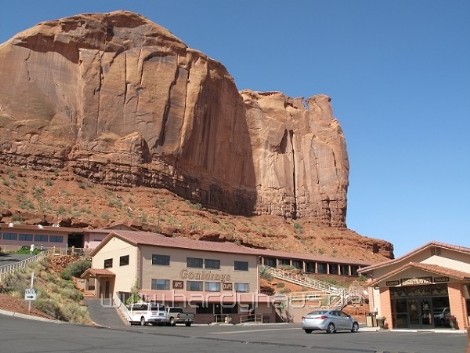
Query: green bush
x=75 y=269
x=48 y=306
x=264 y=273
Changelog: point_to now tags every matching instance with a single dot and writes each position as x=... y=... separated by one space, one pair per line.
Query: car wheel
x=172 y=321
x=142 y=321
x=355 y=327
x=307 y=330
x=331 y=328
x=188 y=324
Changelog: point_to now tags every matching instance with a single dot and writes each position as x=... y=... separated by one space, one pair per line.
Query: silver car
x=329 y=320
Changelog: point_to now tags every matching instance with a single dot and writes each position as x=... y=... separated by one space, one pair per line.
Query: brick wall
x=385 y=307
x=458 y=306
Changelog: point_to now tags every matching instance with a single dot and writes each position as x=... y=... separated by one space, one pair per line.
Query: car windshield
x=318 y=312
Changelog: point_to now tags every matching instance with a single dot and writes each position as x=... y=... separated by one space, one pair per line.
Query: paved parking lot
x=23 y=335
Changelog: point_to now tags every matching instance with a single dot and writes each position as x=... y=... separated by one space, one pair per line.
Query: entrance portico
x=428 y=288
x=102 y=280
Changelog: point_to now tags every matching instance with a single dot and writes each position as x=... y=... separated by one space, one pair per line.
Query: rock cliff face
x=120 y=100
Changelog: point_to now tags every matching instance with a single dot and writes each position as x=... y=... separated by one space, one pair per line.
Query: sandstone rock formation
x=120 y=100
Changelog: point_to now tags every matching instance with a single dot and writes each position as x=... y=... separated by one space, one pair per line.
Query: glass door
x=420 y=313
x=426 y=313
x=414 y=312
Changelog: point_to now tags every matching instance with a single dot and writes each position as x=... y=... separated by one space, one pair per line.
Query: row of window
x=314 y=267
x=43 y=238
x=164 y=260
x=196 y=262
x=123 y=261
x=199 y=286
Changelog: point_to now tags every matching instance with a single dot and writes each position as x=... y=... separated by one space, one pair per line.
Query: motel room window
x=344 y=270
x=297 y=264
x=269 y=261
x=354 y=269
x=213 y=264
x=108 y=263
x=240 y=265
x=10 y=236
x=213 y=286
x=160 y=260
x=25 y=237
x=194 y=286
x=242 y=287
x=161 y=284
x=41 y=237
x=124 y=260
x=194 y=262
x=333 y=269
x=56 y=238
x=322 y=267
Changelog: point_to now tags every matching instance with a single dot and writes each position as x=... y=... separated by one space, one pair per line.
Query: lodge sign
x=416 y=281
x=392 y=283
x=204 y=275
x=441 y=279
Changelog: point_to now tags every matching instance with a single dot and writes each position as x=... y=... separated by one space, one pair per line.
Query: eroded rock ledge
x=120 y=100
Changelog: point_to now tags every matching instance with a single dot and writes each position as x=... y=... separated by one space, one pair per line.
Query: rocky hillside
x=60 y=196
x=111 y=118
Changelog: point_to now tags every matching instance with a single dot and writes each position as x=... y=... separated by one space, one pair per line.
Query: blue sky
x=398 y=73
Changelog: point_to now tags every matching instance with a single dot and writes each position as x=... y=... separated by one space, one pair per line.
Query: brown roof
x=460 y=249
x=436 y=269
x=147 y=238
x=97 y=272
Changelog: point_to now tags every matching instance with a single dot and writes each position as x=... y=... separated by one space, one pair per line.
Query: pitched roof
x=460 y=249
x=146 y=238
x=153 y=239
x=97 y=272
x=436 y=269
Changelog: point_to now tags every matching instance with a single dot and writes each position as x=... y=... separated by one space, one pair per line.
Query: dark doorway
x=76 y=240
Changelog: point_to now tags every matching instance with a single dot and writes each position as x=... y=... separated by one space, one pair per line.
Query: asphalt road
x=19 y=335
x=7 y=259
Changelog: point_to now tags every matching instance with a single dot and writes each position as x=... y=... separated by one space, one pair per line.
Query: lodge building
x=211 y=279
x=426 y=288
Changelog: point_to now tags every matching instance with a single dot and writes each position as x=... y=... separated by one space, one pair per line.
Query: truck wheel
x=188 y=324
x=172 y=321
x=142 y=321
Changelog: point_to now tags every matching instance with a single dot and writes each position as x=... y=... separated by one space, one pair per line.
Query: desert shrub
x=75 y=269
x=287 y=267
x=298 y=228
x=265 y=274
x=48 y=306
x=71 y=293
x=75 y=313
